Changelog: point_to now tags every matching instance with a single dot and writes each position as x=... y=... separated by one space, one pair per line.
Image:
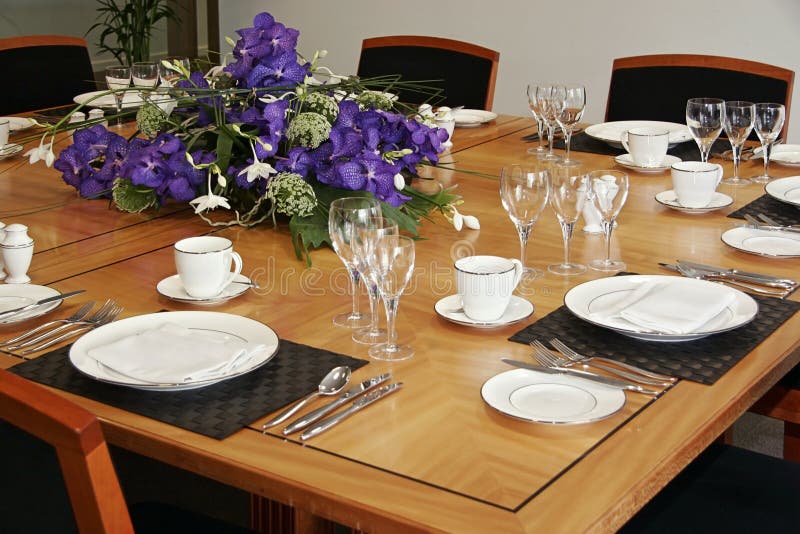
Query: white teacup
x=5 y=127
x=646 y=145
x=485 y=284
x=695 y=182
x=449 y=126
x=204 y=265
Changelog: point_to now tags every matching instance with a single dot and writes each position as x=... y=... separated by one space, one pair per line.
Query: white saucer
x=626 y=160
x=518 y=310
x=670 y=200
x=172 y=288
x=11 y=149
x=18 y=295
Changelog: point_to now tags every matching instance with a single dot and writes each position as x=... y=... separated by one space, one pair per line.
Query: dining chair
x=466 y=73
x=783 y=402
x=43 y=71
x=58 y=475
x=656 y=87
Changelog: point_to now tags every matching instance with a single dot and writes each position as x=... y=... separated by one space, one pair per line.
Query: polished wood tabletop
x=433 y=457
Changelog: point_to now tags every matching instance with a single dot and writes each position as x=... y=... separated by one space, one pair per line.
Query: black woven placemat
x=216 y=411
x=783 y=213
x=704 y=360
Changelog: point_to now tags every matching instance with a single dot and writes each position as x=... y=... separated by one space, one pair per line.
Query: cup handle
x=237 y=269
x=624 y=140
x=720 y=172
x=518 y=269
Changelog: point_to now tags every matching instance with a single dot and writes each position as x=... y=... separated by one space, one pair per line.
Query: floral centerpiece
x=263 y=138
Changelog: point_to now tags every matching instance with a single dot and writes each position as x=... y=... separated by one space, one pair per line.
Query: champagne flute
x=391 y=264
x=524 y=192
x=533 y=106
x=768 y=123
x=704 y=119
x=609 y=190
x=367 y=233
x=343 y=216
x=570 y=101
x=118 y=78
x=145 y=76
x=545 y=98
x=569 y=189
x=738 y=119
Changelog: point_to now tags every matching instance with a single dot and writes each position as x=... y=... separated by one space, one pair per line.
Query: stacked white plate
x=610 y=132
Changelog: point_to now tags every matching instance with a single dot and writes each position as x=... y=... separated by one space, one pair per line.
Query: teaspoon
x=332 y=384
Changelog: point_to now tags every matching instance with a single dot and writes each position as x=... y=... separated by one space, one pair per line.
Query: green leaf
x=309 y=231
x=133 y=198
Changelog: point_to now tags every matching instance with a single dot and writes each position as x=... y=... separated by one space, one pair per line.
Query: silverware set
x=52 y=332
x=762 y=284
x=767 y=223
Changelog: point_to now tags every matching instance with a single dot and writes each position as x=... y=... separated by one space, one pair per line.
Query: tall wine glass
x=145 y=76
x=609 y=192
x=391 y=264
x=366 y=234
x=768 y=124
x=569 y=189
x=738 y=120
x=533 y=106
x=343 y=216
x=570 y=101
x=118 y=78
x=524 y=192
x=704 y=119
x=545 y=97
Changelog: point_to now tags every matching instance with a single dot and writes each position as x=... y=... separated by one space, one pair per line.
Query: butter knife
x=608 y=381
x=8 y=313
x=744 y=276
x=313 y=416
x=360 y=404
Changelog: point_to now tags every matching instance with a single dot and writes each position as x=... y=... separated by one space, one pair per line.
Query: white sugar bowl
x=17 y=248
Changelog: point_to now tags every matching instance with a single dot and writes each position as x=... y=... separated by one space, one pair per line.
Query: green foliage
x=133 y=198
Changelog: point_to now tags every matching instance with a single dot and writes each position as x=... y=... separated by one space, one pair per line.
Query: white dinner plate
x=224 y=325
x=16 y=124
x=449 y=308
x=469 y=118
x=670 y=200
x=626 y=160
x=788 y=155
x=130 y=100
x=552 y=399
x=18 y=295
x=772 y=243
x=588 y=298
x=610 y=132
x=785 y=189
x=172 y=288
x=11 y=149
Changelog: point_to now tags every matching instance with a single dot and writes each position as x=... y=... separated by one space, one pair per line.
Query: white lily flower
x=42 y=153
x=399 y=182
x=209 y=201
x=257 y=169
x=472 y=222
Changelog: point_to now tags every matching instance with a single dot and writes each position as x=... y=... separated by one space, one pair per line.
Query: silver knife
x=744 y=276
x=608 y=381
x=359 y=404
x=62 y=296
x=344 y=398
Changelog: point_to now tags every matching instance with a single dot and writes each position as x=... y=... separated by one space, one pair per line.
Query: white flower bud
x=458 y=221
x=471 y=222
x=221 y=180
x=322 y=53
x=399 y=181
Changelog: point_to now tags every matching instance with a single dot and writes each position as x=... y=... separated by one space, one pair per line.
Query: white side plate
x=772 y=243
x=785 y=189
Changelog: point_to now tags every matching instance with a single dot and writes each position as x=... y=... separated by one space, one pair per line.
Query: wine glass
x=738 y=119
x=768 y=123
x=570 y=102
x=118 y=78
x=569 y=189
x=609 y=190
x=343 y=216
x=145 y=76
x=391 y=264
x=524 y=192
x=169 y=74
x=367 y=233
x=545 y=98
x=533 y=106
x=704 y=119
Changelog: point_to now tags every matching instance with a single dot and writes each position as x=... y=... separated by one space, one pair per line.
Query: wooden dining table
x=434 y=456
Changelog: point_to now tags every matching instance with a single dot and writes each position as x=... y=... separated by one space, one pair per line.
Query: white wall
x=542 y=40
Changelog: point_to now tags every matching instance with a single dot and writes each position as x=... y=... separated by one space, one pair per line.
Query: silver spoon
x=332 y=384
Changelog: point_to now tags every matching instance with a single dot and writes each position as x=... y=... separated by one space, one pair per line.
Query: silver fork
x=110 y=316
x=99 y=315
x=558 y=361
x=755 y=223
x=79 y=314
x=772 y=222
x=561 y=347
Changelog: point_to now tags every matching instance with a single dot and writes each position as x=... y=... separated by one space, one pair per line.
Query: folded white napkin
x=174 y=354
x=662 y=307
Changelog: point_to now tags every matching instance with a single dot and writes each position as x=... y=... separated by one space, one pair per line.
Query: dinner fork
x=545 y=354
x=110 y=316
x=79 y=314
x=99 y=315
x=573 y=355
x=772 y=222
x=755 y=223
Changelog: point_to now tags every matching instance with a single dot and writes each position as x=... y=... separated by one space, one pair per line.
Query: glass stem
x=766 y=149
x=524 y=231
x=608 y=226
x=541 y=125
x=567 y=139
x=374 y=297
x=566 y=230
x=391 y=303
x=737 y=154
x=118 y=99
x=550 y=134
x=354 y=278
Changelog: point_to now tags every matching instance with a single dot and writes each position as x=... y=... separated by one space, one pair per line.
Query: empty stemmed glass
x=366 y=235
x=524 y=193
x=533 y=106
x=144 y=76
x=391 y=264
x=343 y=217
x=738 y=119
x=545 y=98
x=704 y=119
x=569 y=190
x=609 y=190
x=118 y=78
x=570 y=102
x=768 y=123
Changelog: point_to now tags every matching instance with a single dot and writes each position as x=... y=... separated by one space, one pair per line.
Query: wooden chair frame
x=444 y=44
x=41 y=40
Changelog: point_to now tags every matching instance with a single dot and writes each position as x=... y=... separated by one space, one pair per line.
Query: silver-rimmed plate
x=551 y=399
x=670 y=200
x=785 y=189
x=610 y=132
x=772 y=243
x=788 y=155
x=18 y=295
x=104 y=99
x=16 y=124
x=470 y=118
x=449 y=308
x=626 y=160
